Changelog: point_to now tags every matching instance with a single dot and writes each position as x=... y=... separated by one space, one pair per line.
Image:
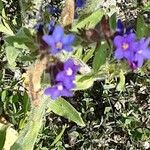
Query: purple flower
x=64 y=81
x=58 y=90
x=51 y=26
x=124 y=46
x=58 y=41
x=68 y=74
x=80 y=3
x=141 y=53
x=120 y=29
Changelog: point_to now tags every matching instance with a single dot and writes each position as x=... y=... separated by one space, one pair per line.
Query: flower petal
x=69 y=84
x=68 y=48
x=147 y=41
x=49 y=40
x=131 y=37
x=119 y=54
x=118 y=41
x=58 y=33
x=66 y=93
x=68 y=39
x=140 y=61
x=60 y=76
x=146 y=53
x=54 y=50
x=53 y=92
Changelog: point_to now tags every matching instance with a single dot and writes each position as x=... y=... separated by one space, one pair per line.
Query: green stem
x=28 y=136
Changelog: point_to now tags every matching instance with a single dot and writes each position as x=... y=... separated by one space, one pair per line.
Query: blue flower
x=67 y=76
x=58 y=41
x=124 y=46
x=80 y=3
x=121 y=30
x=58 y=90
x=141 y=53
x=64 y=81
x=120 y=27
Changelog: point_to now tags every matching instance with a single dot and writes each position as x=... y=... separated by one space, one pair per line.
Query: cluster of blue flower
x=128 y=47
x=64 y=80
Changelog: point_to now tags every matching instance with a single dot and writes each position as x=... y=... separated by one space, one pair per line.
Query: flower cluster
x=133 y=50
x=64 y=81
x=62 y=74
x=58 y=41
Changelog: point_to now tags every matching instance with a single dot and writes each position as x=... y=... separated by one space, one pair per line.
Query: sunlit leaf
x=84 y=82
x=63 y=108
x=121 y=84
x=11 y=54
x=100 y=56
x=3 y=129
x=90 y=21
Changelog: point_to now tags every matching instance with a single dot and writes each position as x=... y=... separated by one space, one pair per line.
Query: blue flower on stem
x=120 y=27
x=120 y=30
x=141 y=53
x=64 y=81
x=58 y=90
x=58 y=41
x=67 y=76
x=124 y=46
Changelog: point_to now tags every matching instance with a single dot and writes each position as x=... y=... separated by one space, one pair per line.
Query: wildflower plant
x=65 y=61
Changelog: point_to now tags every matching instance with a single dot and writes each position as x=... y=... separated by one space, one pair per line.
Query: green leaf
x=100 y=56
x=6 y=30
x=78 y=52
x=84 y=82
x=23 y=39
x=90 y=6
x=112 y=22
x=63 y=108
x=1 y=6
x=90 y=21
x=121 y=84
x=11 y=54
x=3 y=95
x=59 y=136
x=3 y=130
x=89 y=53
x=140 y=27
x=146 y=6
x=4 y=26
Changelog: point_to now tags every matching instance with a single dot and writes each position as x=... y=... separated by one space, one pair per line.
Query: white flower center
x=140 y=52
x=60 y=87
x=59 y=45
x=69 y=71
x=125 y=46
